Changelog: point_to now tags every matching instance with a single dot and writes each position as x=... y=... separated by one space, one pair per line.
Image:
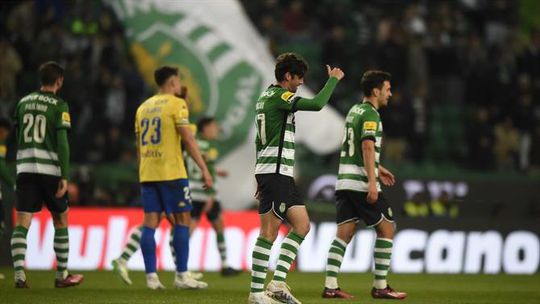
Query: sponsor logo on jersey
x=370 y=126
x=65 y=117
x=287 y=96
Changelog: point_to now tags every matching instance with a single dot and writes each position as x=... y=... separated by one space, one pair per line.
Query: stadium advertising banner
x=225 y=72
x=97 y=236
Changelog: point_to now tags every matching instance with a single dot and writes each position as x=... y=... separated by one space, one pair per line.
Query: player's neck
x=283 y=84
x=372 y=102
x=48 y=89
x=166 y=91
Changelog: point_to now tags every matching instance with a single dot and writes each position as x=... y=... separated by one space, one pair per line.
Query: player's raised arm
x=321 y=99
x=190 y=144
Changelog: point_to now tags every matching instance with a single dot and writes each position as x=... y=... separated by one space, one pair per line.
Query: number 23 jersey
x=158 y=141
x=362 y=123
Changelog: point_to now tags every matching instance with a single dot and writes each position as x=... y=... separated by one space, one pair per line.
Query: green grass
x=104 y=287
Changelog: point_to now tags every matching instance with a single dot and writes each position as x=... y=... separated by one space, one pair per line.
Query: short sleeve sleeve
x=180 y=112
x=64 y=119
x=368 y=125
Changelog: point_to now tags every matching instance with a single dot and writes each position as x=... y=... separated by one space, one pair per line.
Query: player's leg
x=18 y=247
x=29 y=201
x=120 y=264
x=215 y=217
x=58 y=208
x=148 y=248
x=347 y=217
x=261 y=255
x=153 y=207
x=294 y=210
x=61 y=249
x=176 y=197
x=133 y=244
x=298 y=219
x=344 y=234
x=382 y=252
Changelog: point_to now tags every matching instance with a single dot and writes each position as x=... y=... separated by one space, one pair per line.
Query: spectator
x=444 y=207
x=10 y=65
x=481 y=141
x=506 y=144
x=416 y=206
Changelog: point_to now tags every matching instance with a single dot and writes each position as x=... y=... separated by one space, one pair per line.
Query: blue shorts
x=168 y=196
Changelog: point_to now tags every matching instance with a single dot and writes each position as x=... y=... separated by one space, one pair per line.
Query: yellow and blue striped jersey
x=161 y=157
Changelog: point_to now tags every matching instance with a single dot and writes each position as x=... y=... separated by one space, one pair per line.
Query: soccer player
x=277 y=192
x=5 y=176
x=134 y=240
x=42 y=121
x=161 y=124
x=358 y=191
x=204 y=200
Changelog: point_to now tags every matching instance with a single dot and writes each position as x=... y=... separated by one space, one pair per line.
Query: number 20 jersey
x=362 y=123
x=37 y=117
x=159 y=146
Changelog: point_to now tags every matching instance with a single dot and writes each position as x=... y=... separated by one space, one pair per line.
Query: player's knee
x=59 y=220
x=302 y=229
x=268 y=235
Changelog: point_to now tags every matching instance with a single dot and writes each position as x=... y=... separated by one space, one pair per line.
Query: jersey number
x=35 y=127
x=261 y=127
x=155 y=124
x=349 y=138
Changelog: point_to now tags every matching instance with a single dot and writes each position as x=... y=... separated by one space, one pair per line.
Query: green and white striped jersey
x=38 y=116
x=275 y=131
x=362 y=122
x=210 y=154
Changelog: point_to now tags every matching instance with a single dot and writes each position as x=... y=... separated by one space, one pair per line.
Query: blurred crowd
x=466 y=76
x=102 y=86
x=466 y=73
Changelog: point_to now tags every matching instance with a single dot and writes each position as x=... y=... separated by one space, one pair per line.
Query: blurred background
x=462 y=130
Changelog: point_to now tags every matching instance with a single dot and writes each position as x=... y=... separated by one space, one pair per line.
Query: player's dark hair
x=203 y=122
x=163 y=73
x=292 y=63
x=374 y=79
x=5 y=123
x=49 y=72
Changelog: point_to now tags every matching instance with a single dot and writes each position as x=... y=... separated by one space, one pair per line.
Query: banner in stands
x=98 y=235
x=225 y=72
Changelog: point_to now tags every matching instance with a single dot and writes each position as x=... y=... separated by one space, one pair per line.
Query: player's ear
x=288 y=76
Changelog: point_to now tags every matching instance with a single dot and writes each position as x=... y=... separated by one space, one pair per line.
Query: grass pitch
x=105 y=287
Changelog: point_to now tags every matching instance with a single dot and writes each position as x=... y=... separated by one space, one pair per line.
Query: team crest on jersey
x=182 y=204
x=282 y=207
x=287 y=96
x=390 y=212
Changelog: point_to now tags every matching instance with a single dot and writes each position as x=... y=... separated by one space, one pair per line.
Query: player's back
x=158 y=140
x=362 y=122
x=38 y=116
